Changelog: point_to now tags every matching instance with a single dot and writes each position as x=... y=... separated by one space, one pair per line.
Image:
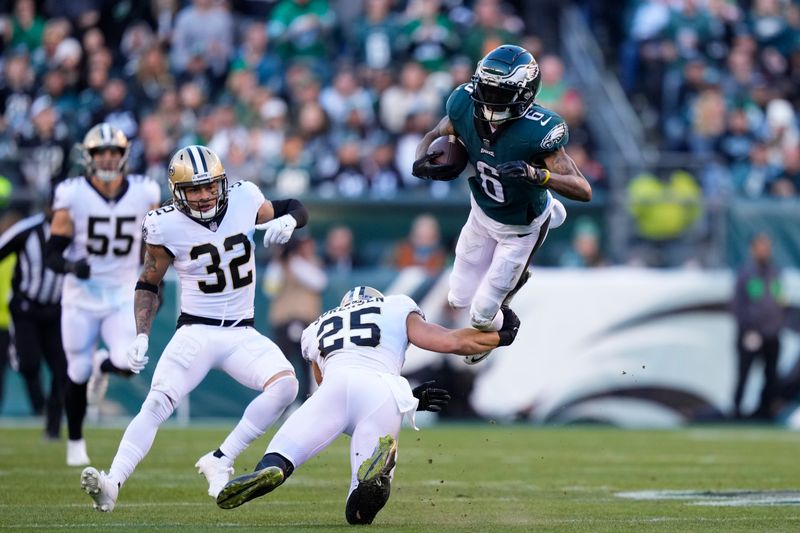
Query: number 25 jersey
x=368 y=334
x=106 y=234
x=215 y=263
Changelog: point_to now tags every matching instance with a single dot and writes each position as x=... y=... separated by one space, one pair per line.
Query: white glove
x=278 y=230
x=137 y=353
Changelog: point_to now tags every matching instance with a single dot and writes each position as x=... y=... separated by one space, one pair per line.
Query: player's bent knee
x=482 y=314
x=79 y=370
x=283 y=386
x=455 y=302
x=159 y=405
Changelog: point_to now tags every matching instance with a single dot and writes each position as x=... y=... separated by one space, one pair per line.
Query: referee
x=36 y=316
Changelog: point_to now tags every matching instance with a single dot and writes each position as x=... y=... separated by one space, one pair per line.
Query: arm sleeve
x=291 y=207
x=54 y=253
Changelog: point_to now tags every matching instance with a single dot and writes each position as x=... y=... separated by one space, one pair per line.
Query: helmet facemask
x=197 y=166
x=107 y=175
x=192 y=208
x=505 y=84
x=102 y=137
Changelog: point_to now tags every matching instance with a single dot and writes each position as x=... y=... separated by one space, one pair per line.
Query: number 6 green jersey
x=529 y=138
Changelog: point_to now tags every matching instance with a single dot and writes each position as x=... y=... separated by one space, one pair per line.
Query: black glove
x=522 y=170
x=80 y=268
x=510 y=326
x=430 y=399
x=424 y=168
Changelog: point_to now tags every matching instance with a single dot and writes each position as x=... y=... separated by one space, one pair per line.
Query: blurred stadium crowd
x=330 y=97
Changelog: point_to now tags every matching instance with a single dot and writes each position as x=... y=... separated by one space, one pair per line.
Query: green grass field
x=449 y=478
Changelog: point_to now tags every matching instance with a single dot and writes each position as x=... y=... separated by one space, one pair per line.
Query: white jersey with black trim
x=366 y=333
x=106 y=234
x=214 y=261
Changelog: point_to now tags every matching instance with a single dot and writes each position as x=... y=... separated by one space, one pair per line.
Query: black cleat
x=244 y=488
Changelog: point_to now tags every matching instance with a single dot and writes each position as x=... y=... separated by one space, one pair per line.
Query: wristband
x=546 y=178
x=144 y=286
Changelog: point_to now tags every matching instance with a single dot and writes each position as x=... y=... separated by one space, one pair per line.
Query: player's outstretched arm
x=279 y=219
x=465 y=341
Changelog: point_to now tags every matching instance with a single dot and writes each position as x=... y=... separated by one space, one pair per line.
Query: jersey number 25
x=332 y=332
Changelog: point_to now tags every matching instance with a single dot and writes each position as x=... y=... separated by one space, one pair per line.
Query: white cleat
x=76 y=453
x=100 y=488
x=98 y=381
x=217 y=470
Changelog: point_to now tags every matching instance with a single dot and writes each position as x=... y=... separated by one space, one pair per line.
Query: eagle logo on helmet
x=505 y=84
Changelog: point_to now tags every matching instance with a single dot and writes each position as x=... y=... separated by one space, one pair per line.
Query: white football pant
x=81 y=329
x=487 y=267
x=353 y=401
x=242 y=353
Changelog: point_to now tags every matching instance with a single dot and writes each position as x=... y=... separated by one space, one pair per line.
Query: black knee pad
x=367 y=500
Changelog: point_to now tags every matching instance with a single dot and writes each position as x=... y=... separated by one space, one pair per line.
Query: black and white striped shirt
x=32 y=282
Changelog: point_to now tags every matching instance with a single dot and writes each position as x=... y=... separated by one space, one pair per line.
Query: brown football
x=453 y=153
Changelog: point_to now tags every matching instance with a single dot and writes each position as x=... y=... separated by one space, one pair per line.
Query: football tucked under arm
x=445 y=159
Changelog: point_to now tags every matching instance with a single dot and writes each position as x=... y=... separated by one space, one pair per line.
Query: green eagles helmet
x=505 y=84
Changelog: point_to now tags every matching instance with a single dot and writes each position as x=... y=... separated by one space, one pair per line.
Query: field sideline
x=449 y=478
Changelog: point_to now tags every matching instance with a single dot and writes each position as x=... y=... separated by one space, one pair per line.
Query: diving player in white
x=94 y=238
x=359 y=348
x=207 y=235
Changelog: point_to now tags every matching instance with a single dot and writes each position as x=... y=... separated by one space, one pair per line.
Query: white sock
x=259 y=415
x=135 y=443
x=139 y=436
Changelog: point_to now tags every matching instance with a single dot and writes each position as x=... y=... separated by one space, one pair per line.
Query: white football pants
x=81 y=329
x=488 y=266
x=353 y=401
x=242 y=353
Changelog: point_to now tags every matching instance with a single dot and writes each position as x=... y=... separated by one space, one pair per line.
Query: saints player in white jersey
x=95 y=241
x=207 y=236
x=359 y=349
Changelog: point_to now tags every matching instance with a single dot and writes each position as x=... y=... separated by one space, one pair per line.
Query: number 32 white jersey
x=367 y=334
x=106 y=233
x=216 y=267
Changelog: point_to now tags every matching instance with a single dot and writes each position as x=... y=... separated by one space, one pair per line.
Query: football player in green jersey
x=517 y=150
